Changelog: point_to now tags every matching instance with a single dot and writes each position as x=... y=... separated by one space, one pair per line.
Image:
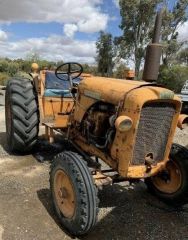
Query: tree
x=89 y=69
x=105 y=54
x=137 y=24
x=120 y=71
x=183 y=56
x=173 y=77
x=172 y=19
x=33 y=57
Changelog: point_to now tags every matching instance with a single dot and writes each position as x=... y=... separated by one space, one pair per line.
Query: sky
x=59 y=29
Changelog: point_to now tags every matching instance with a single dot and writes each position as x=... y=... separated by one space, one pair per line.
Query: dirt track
x=126 y=212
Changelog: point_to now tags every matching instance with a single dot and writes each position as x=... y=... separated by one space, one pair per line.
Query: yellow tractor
x=127 y=124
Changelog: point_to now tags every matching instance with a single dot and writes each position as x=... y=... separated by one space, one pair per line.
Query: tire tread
x=23 y=104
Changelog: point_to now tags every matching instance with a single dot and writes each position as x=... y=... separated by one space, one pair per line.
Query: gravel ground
x=126 y=212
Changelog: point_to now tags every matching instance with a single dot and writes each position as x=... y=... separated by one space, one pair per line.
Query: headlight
x=123 y=123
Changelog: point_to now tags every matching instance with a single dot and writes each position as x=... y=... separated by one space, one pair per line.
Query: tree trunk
x=137 y=65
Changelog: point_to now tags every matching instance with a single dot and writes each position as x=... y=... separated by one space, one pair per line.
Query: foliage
x=33 y=57
x=3 y=65
x=12 y=68
x=105 y=54
x=90 y=69
x=173 y=77
x=172 y=19
x=183 y=56
x=137 y=21
x=137 y=24
x=20 y=67
x=3 y=78
x=120 y=71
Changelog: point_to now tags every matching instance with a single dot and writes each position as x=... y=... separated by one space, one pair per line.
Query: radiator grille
x=153 y=131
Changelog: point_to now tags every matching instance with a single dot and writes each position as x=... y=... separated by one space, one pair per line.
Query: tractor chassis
x=101 y=176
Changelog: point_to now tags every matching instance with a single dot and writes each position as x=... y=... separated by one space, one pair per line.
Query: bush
x=3 y=65
x=120 y=71
x=173 y=77
x=4 y=78
x=13 y=68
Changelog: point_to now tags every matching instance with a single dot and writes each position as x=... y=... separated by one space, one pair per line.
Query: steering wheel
x=71 y=69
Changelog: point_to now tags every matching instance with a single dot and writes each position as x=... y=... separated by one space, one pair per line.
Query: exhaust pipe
x=153 y=52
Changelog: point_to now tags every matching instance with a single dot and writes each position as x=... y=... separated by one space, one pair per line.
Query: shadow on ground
x=126 y=212
x=132 y=214
x=44 y=151
x=45 y=198
x=3 y=145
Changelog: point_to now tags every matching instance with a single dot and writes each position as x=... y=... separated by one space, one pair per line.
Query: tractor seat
x=55 y=87
x=56 y=93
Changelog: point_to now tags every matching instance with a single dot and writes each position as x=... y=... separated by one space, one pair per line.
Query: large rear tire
x=22 y=115
x=171 y=185
x=74 y=194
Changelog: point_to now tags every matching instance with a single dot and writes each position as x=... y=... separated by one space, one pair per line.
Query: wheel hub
x=170 y=180
x=165 y=176
x=64 y=194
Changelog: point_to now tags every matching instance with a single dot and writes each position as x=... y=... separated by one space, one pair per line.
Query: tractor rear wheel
x=22 y=115
x=74 y=193
x=171 y=185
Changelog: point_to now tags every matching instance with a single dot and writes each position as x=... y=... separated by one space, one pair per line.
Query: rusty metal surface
x=153 y=52
x=153 y=132
x=157 y=27
x=123 y=145
x=110 y=90
x=152 y=62
x=129 y=96
x=182 y=121
x=101 y=179
x=107 y=89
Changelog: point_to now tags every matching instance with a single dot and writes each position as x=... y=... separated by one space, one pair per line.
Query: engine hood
x=114 y=90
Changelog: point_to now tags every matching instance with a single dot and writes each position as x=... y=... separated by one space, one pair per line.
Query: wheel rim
x=169 y=181
x=64 y=194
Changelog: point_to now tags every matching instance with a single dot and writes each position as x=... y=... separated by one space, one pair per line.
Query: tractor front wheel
x=171 y=185
x=22 y=115
x=73 y=193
